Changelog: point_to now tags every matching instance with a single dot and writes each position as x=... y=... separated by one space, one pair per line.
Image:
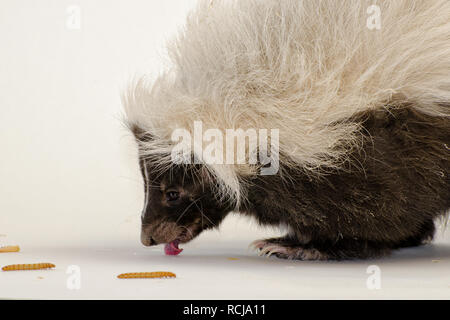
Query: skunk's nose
x=147 y=240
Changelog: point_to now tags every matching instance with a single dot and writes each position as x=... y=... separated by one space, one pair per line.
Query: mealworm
x=158 y=274
x=9 y=248
x=34 y=266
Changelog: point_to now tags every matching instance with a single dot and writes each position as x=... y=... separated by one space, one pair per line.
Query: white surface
x=204 y=270
x=70 y=191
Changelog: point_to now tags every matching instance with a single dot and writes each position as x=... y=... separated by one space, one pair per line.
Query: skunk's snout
x=158 y=232
x=147 y=237
x=147 y=240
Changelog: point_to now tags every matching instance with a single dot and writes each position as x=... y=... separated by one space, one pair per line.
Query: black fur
x=385 y=197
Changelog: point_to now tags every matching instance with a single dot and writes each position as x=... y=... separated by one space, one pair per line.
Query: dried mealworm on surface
x=140 y=275
x=9 y=249
x=33 y=266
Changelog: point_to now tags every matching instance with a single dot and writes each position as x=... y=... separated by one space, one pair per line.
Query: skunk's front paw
x=286 y=249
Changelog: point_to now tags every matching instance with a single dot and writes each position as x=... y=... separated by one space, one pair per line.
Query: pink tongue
x=171 y=249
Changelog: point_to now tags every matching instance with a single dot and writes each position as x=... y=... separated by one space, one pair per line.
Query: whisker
x=203 y=214
x=185 y=210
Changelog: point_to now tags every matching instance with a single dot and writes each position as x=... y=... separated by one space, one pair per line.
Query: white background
x=70 y=190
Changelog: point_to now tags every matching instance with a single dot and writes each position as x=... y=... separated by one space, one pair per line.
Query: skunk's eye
x=172 y=196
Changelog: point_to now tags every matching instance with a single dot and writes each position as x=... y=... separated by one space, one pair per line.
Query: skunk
x=357 y=96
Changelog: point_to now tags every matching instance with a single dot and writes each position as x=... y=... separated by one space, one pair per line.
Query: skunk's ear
x=140 y=134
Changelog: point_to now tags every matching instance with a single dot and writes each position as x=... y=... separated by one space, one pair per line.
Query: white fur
x=147 y=188
x=298 y=66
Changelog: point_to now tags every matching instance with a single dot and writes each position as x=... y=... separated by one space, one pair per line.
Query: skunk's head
x=180 y=201
x=178 y=205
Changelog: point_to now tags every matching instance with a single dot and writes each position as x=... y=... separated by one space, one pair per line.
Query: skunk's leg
x=289 y=248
